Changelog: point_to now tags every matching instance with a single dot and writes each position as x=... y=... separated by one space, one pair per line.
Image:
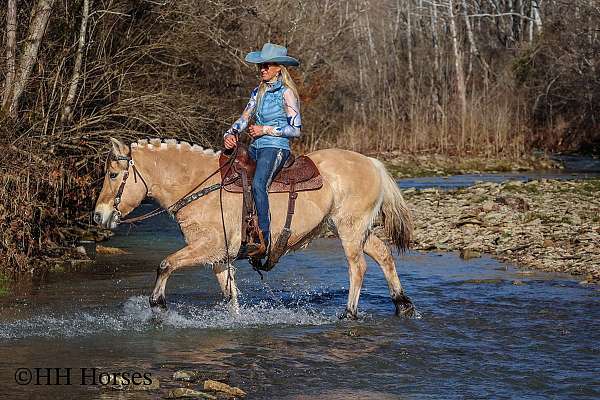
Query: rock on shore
x=547 y=225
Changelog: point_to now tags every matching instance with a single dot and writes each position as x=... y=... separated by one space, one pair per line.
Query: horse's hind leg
x=357 y=266
x=379 y=251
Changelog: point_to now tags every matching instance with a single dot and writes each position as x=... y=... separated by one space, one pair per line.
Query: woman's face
x=268 y=71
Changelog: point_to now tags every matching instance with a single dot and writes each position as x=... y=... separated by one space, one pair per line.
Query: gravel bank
x=547 y=225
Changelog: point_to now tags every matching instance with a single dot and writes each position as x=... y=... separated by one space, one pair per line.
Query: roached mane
x=171 y=144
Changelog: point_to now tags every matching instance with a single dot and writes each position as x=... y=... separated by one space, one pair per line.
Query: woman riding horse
x=275 y=107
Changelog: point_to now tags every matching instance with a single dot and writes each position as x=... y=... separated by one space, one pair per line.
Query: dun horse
x=356 y=190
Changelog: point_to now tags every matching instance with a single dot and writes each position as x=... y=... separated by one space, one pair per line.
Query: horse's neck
x=171 y=174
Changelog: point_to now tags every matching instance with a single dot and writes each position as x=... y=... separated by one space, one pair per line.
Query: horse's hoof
x=404 y=306
x=347 y=314
x=159 y=304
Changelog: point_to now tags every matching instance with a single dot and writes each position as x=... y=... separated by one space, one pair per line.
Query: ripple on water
x=136 y=315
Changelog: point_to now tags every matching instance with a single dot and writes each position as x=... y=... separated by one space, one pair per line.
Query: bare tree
x=40 y=16
x=458 y=67
x=11 y=44
x=67 y=113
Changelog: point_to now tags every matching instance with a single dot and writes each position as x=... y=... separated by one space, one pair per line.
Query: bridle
x=136 y=173
x=191 y=196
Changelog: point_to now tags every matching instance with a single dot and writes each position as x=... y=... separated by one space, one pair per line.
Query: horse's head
x=123 y=189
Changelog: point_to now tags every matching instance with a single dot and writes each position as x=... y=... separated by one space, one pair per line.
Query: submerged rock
x=186 y=376
x=109 y=250
x=467 y=254
x=216 y=386
x=187 y=393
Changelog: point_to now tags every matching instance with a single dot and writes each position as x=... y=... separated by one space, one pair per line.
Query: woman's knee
x=259 y=183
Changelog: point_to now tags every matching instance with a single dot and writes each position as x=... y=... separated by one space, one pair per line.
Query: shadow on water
x=486 y=329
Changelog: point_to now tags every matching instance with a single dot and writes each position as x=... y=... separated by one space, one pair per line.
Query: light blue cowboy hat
x=272 y=53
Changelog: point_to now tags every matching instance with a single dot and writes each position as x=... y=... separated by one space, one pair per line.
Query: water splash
x=135 y=315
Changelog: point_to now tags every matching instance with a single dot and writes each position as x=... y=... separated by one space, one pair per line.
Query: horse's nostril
x=98 y=218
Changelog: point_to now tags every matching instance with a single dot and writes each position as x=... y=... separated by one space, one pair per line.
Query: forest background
x=487 y=78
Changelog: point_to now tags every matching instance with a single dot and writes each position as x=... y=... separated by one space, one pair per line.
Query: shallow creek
x=485 y=329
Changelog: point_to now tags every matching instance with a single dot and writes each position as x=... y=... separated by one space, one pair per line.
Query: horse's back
x=348 y=173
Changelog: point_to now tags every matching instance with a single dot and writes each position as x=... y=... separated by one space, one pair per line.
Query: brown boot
x=258 y=250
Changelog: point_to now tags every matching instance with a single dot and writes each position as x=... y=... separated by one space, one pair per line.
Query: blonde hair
x=286 y=80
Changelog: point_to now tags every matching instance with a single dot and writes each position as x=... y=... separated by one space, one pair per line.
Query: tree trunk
x=435 y=86
x=67 y=114
x=37 y=27
x=411 y=69
x=11 y=44
x=536 y=4
x=458 y=65
x=473 y=47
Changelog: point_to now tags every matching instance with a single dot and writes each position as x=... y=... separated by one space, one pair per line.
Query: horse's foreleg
x=226 y=279
x=194 y=254
x=378 y=251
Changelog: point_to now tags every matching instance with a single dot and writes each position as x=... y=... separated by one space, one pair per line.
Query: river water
x=485 y=329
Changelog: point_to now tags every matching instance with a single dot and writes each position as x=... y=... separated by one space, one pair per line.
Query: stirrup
x=257 y=250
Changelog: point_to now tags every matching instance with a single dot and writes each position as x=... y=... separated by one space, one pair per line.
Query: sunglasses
x=266 y=65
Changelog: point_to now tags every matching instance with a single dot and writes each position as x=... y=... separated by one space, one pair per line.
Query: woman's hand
x=230 y=141
x=256 y=131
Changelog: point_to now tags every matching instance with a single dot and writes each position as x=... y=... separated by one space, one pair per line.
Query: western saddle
x=297 y=175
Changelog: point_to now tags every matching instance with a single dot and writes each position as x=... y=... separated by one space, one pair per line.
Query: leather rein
x=190 y=197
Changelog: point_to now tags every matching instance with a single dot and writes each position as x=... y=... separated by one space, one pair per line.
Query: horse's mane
x=172 y=144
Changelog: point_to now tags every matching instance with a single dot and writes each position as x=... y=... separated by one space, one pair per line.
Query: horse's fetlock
x=349 y=314
x=404 y=305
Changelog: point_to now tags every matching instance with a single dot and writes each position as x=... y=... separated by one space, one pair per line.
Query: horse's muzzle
x=98 y=218
x=107 y=219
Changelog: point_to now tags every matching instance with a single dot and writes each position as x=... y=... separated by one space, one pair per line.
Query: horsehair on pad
x=142 y=142
x=197 y=148
x=155 y=142
x=171 y=142
x=184 y=146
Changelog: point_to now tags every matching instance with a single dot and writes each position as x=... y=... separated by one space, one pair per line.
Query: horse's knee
x=164 y=267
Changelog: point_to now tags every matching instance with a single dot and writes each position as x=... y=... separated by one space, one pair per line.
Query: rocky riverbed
x=543 y=224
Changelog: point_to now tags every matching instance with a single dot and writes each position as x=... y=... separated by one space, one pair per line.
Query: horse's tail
x=397 y=218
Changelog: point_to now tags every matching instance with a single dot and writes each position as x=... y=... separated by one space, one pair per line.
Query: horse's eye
x=113 y=175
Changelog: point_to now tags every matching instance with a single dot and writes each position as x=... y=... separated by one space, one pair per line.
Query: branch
x=499 y=15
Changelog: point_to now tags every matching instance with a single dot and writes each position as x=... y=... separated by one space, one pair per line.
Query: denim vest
x=271 y=112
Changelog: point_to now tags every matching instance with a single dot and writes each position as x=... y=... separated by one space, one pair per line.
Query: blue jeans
x=269 y=161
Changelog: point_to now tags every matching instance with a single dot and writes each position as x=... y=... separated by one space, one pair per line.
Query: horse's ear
x=118 y=148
